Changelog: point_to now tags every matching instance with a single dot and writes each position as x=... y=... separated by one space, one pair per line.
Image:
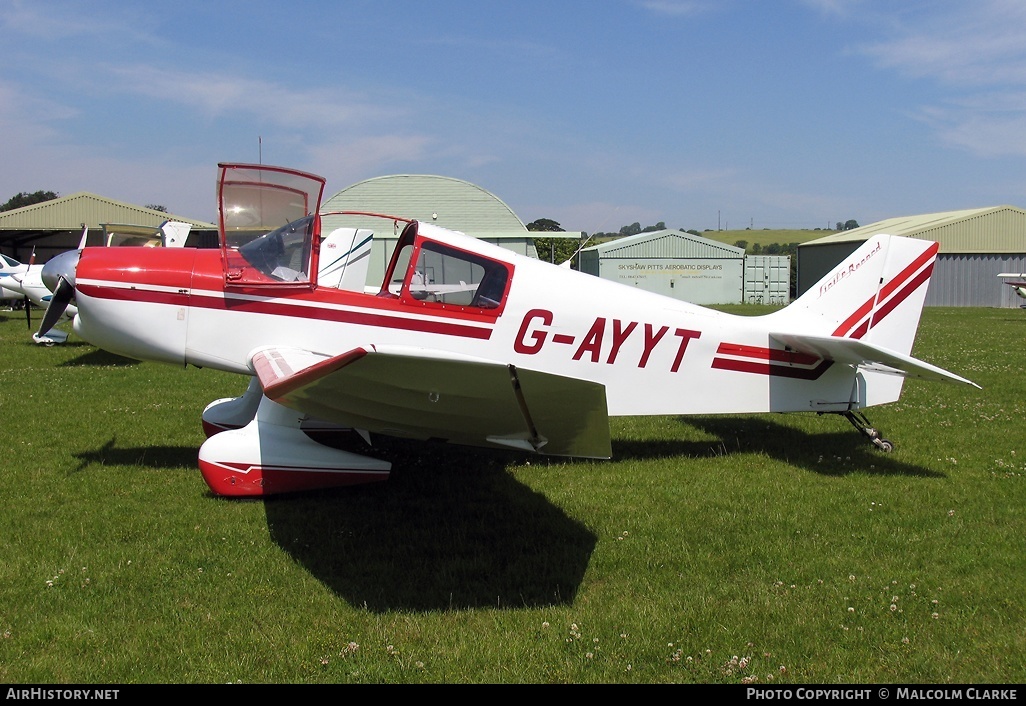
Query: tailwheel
x=860 y=422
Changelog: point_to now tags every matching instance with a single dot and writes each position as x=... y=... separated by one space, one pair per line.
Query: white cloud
x=677 y=7
x=964 y=48
x=221 y=94
x=60 y=21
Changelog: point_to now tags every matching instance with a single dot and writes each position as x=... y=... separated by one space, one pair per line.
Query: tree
x=557 y=250
x=545 y=225
x=26 y=199
x=156 y=207
x=851 y=225
x=632 y=229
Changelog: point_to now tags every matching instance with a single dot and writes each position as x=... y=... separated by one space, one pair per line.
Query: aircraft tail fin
x=875 y=295
x=174 y=233
x=345 y=258
x=865 y=312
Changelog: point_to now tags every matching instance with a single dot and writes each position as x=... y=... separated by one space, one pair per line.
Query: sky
x=701 y=114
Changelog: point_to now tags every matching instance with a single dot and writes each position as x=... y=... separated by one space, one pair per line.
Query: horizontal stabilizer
x=429 y=394
x=851 y=351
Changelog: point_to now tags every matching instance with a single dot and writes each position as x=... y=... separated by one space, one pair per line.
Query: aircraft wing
x=428 y=394
x=852 y=351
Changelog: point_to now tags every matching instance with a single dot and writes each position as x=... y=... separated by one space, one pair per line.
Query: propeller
x=59 y=277
x=28 y=304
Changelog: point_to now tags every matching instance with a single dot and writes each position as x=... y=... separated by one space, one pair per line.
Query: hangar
x=975 y=245
x=451 y=203
x=51 y=227
x=672 y=263
x=691 y=268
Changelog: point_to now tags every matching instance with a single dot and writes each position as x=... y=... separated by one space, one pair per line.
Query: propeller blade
x=63 y=293
x=28 y=312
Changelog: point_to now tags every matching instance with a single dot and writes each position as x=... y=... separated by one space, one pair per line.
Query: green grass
x=785 y=541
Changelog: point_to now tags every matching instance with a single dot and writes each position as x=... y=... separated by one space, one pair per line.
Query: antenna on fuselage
x=577 y=252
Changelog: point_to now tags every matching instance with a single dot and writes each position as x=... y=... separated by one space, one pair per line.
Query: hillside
x=766 y=237
x=762 y=237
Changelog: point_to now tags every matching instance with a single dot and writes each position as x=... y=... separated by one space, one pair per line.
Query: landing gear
x=860 y=422
x=272 y=454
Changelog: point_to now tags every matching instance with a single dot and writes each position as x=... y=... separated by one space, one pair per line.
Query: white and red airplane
x=493 y=349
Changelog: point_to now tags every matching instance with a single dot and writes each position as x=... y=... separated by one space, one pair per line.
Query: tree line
x=559 y=250
x=23 y=199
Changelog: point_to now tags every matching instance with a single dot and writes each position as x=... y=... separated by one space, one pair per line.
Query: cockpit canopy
x=268 y=224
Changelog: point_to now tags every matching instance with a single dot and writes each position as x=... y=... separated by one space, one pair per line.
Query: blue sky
x=594 y=113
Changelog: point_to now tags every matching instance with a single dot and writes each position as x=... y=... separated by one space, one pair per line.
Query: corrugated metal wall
x=972 y=280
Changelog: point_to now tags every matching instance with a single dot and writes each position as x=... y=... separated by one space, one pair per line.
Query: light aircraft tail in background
x=505 y=351
x=1017 y=281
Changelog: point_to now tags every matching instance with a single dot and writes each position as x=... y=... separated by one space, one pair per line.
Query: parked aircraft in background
x=1017 y=281
x=9 y=268
x=24 y=282
x=467 y=342
x=27 y=280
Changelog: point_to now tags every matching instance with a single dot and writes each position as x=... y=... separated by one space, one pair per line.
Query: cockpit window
x=283 y=255
x=434 y=274
x=450 y=276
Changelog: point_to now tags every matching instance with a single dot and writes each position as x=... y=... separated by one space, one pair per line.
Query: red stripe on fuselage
x=752 y=366
x=774 y=362
x=193 y=278
x=771 y=354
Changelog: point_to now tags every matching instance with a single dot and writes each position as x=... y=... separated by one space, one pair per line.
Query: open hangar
x=975 y=246
x=50 y=227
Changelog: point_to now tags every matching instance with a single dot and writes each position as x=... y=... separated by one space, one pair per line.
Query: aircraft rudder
x=877 y=293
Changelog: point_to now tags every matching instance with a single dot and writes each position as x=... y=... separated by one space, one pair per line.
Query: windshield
x=284 y=253
x=256 y=199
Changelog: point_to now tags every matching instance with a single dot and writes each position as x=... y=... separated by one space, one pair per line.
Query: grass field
x=777 y=549
x=766 y=237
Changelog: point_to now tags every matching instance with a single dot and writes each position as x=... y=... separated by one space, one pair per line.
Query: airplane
x=27 y=280
x=533 y=356
x=9 y=268
x=1017 y=281
x=24 y=281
